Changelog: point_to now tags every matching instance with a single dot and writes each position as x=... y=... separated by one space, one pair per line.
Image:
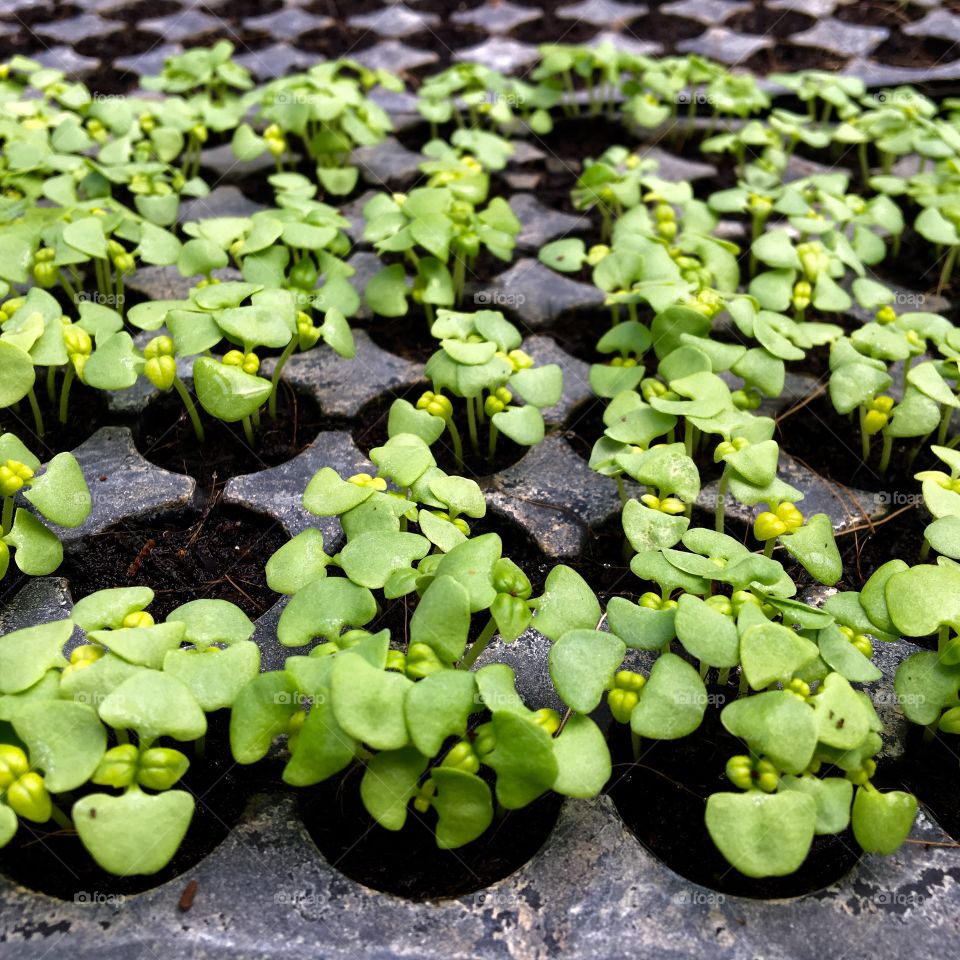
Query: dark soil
x=553 y=29
x=218 y=553
x=829 y=443
x=337 y=40
x=790 y=57
x=165 y=436
x=931 y=771
x=901 y=50
x=408 y=862
x=55 y=862
x=769 y=23
x=879 y=13
x=87 y=412
x=662 y=798
x=370 y=430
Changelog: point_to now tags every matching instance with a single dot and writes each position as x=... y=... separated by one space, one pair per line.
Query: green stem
x=721 y=500
x=68 y=286
x=944 y=425
x=864 y=436
x=864 y=166
x=457 y=442
x=924 y=551
x=494 y=433
x=943 y=638
x=621 y=489
x=635 y=743
x=885 y=452
x=61 y=819
x=472 y=426
x=769 y=546
x=478 y=645
x=947 y=270
x=37 y=415
x=68 y=379
x=191 y=409
x=275 y=379
x=459 y=271
x=723 y=677
x=52 y=385
x=248 y=431
x=7 y=521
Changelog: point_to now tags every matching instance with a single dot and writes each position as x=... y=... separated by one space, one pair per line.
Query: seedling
x=96 y=715
x=56 y=490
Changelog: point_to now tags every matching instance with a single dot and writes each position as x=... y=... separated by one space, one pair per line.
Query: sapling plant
x=57 y=491
x=99 y=714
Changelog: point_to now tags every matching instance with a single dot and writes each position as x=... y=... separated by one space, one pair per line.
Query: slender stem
x=924 y=551
x=275 y=379
x=191 y=409
x=635 y=743
x=61 y=819
x=864 y=436
x=457 y=442
x=472 y=425
x=37 y=415
x=721 y=500
x=885 y=453
x=944 y=425
x=688 y=437
x=621 y=489
x=248 y=431
x=68 y=379
x=52 y=384
x=459 y=270
x=943 y=638
x=864 y=166
x=947 y=270
x=478 y=645
x=768 y=547
x=494 y=433
x=481 y=416
x=7 y=521
x=723 y=678
x=68 y=286
x=742 y=687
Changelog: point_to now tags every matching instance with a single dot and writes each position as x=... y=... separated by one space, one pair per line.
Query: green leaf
x=260 y=713
x=386 y=292
x=389 y=783
x=227 y=392
x=86 y=235
x=65 y=740
x=471 y=564
x=522 y=425
x=770 y=652
x=136 y=833
x=327 y=495
x=873 y=597
x=459 y=494
x=27 y=654
x=583 y=759
x=107 y=608
x=370 y=559
x=442 y=618
x=639 y=627
x=672 y=701
x=707 y=634
x=919 y=600
x=38 y=550
x=406 y=418
x=463 y=804
x=403 y=458
x=212 y=621
x=843 y=719
x=815 y=549
x=154 y=704
x=114 y=365
x=322 y=609
x=298 y=562
x=143 y=646
x=841 y=655
x=438 y=706
x=567 y=603
x=215 y=677
x=322 y=748
x=566 y=255
x=924 y=686
x=881 y=821
x=582 y=664
x=523 y=760
x=832 y=795
x=762 y=834
x=496 y=683
x=368 y=703
x=777 y=725
x=649 y=529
